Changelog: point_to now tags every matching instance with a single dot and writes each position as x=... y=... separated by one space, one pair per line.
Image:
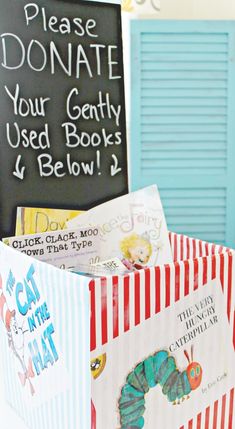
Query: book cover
x=167 y=369
x=45 y=324
x=31 y=220
x=132 y=228
x=65 y=249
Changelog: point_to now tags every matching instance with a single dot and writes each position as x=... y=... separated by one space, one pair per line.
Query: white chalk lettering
x=27 y=138
x=26 y=107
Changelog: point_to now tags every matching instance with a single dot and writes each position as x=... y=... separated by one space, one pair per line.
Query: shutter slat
x=186 y=38
x=187 y=48
x=187 y=93
x=184 y=84
x=171 y=73
x=184 y=128
x=184 y=155
x=163 y=111
x=184 y=66
x=183 y=147
x=180 y=137
x=178 y=102
x=184 y=119
x=182 y=57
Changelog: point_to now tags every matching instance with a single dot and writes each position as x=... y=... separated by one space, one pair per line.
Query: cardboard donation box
x=148 y=345
x=153 y=348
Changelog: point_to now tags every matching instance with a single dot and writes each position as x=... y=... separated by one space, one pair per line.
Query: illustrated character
x=97 y=367
x=16 y=334
x=136 y=250
x=161 y=369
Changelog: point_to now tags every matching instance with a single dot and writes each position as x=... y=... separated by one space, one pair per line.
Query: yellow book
x=34 y=220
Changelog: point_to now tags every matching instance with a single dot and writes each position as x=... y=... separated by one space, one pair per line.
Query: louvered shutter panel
x=183 y=122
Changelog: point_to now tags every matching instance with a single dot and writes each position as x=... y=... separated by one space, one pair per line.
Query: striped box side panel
x=121 y=303
x=71 y=408
x=184 y=247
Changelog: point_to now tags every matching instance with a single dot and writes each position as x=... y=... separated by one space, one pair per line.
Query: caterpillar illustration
x=161 y=369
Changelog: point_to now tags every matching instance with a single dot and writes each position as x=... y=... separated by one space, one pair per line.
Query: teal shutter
x=183 y=122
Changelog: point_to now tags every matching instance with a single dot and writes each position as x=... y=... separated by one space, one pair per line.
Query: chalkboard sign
x=62 y=106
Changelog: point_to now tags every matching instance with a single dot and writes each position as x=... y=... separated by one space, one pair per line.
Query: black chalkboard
x=62 y=106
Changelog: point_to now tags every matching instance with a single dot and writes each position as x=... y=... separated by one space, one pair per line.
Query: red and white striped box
x=124 y=307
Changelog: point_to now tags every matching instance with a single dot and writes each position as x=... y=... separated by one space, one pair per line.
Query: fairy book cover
x=132 y=228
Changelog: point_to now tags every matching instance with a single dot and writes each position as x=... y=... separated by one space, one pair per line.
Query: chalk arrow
x=114 y=168
x=19 y=171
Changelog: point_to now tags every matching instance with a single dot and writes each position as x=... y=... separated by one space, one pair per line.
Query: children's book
x=167 y=369
x=45 y=327
x=132 y=228
x=32 y=220
x=64 y=249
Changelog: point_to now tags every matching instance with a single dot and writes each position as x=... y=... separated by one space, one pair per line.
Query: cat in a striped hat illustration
x=15 y=334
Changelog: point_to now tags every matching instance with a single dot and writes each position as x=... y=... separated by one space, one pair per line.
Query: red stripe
x=195 y=264
x=234 y=329
x=170 y=237
x=230 y=267
x=207 y=249
x=221 y=249
x=157 y=290
x=213 y=267
x=213 y=249
x=231 y=409
x=186 y=278
x=92 y=316
x=200 y=249
x=93 y=416
x=215 y=415
x=207 y=418
x=190 y=424
x=177 y=281
x=188 y=248
x=222 y=269
x=199 y=421
x=137 y=298
x=104 y=313
x=194 y=249
x=115 y=307
x=147 y=294
x=167 y=285
x=175 y=256
x=126 y=303
x=204 y=268
x=181 y=247
x=223 y=412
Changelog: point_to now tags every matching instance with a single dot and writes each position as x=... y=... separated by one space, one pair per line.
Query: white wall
x=190 y=9
x=197 y=9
